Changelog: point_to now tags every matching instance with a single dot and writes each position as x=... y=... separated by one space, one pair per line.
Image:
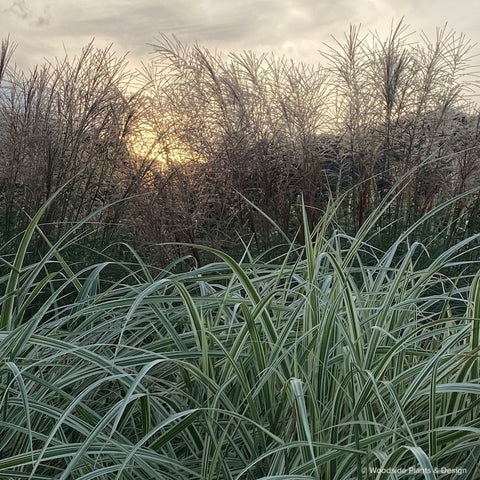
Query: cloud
x=43 y=20
x=22 y=11
x=19 y=9
x=296 y=28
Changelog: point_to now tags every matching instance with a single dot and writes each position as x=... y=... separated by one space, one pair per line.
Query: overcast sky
x=296 y=28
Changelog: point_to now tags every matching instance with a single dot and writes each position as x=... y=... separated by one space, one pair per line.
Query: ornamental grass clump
x=335 y=360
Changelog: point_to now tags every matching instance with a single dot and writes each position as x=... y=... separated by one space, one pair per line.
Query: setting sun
x=144 y=143
x=149 y=145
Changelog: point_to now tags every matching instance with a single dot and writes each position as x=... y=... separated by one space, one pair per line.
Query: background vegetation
x=198 y=132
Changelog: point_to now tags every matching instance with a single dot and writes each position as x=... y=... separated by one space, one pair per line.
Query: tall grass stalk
x=333 y=361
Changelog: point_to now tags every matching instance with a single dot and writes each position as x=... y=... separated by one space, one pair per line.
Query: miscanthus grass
x=336 y=360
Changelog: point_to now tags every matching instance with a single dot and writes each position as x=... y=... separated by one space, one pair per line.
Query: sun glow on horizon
x=146 y=144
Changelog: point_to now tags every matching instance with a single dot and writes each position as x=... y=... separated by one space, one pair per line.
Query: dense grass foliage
x=331 y=361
